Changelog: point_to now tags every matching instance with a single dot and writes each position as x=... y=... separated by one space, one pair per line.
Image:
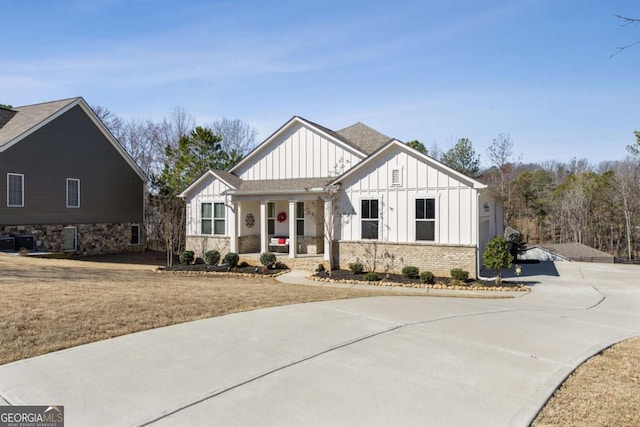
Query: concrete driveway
x=361 y=362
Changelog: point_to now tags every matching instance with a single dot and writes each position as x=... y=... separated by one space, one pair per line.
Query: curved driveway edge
x=368 y=361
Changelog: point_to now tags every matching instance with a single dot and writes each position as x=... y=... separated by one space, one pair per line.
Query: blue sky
x=539 y=70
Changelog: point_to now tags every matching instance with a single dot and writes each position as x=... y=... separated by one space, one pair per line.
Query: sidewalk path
x=361 y=362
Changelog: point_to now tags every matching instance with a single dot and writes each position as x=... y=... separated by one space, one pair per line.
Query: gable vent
x=396 y=177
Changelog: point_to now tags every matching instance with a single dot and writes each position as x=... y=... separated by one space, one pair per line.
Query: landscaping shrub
x=186 y=257
x=356 y=268
x=410 y=271
x=231 y=259
x=496 y=256
x=427 y=277
x=199 y=261
x=460 y=274
x=212 y=257
x=372 y=276
x=267 y=259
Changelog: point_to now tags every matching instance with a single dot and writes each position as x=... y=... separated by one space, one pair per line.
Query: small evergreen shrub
x=356 y=268
x=199 y=261
x=427 y=277
x=231 y=259
x=212 y=257
x=186 y=257
x=410 y=271
x=460 y=274
x=371 y=276
x=267 y=259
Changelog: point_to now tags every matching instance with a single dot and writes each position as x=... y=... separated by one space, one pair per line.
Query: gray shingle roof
x=29 y=116
x=270 y=186
x=228 y=177
x=367 y=139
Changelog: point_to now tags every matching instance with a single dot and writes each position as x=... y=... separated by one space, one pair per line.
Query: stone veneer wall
x=311 y=245
x=249 y=244
x=202 y=244
x=439 y=259
x=93 y=239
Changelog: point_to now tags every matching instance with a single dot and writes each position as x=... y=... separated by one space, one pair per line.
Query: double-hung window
x=73 y=193
x=299 y=218
x=15 y=190
x=369 y=219
x=426 y=219
x=271 y=218
x=212 y=218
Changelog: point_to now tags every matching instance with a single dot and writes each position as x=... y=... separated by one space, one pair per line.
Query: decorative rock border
x=219 y=273
x=520 y=288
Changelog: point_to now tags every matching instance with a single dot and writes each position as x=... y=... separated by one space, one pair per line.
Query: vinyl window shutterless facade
x=73 y=193
x=212 y=219
x=15 y=190
x=426 y=219
x=369 y=219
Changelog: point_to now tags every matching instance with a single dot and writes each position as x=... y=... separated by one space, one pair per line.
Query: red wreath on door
x=282 y=217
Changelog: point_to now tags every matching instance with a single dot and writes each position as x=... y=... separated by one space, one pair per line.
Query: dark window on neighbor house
x=218 y=219
x=73 y=193
x=300 y=218
x=369 y=219
x=426 y=219
x=135 y=234
x=206 y=217
x=271 y=218
x=15 y=190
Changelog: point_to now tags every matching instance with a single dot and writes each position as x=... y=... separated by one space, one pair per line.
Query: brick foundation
x=93 y=239
x=392 y=257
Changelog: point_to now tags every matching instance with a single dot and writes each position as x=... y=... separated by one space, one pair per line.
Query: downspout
x=478 y=259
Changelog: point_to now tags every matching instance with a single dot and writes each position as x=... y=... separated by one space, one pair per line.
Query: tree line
x=554 y=202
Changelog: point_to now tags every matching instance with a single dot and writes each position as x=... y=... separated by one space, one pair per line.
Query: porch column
x=264 y=235
x=233 y=227
x=327 y=226
x=293 y=239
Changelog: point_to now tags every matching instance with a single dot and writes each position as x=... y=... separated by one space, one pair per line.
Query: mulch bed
x=346 y=276
x=243 y=269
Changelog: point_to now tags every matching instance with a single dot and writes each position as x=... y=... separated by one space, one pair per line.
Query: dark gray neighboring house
x=68 y=185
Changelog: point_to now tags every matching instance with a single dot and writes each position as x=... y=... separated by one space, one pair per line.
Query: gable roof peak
x=368 y=139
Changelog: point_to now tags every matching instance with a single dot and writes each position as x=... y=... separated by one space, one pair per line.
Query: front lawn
x=52 y=304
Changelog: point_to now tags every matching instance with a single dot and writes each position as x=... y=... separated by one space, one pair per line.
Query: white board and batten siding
x=455 y=200
x=209 y=191
x=299 y=152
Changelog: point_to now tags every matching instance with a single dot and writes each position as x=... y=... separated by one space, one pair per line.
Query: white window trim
x=21 y=205
x=436 y=231
x=213 y=217
x=202 y=218
x=379 y=219
x=67 y=188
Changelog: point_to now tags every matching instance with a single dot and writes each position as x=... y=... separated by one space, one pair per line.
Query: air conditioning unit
x=24 y=241
x=7 y=243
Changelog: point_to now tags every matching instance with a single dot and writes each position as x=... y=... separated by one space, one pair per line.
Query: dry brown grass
x=604 y=391
x=49 y=304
